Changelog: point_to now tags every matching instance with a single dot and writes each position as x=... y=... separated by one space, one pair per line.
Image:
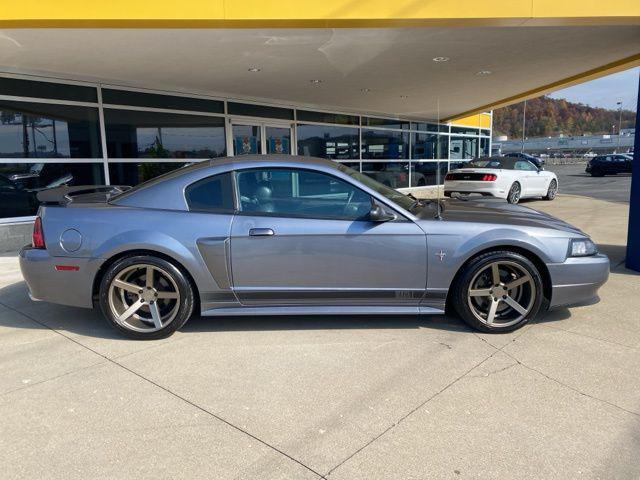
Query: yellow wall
x=312 y=13
x=481 y=120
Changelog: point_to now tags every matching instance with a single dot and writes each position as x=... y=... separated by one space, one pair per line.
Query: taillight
x=448 y=176
x=489 y=177
x=37 y=238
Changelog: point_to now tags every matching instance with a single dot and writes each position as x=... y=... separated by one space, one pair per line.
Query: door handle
x=261 y=232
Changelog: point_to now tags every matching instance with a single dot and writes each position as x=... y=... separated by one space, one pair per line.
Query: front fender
x=458 y=249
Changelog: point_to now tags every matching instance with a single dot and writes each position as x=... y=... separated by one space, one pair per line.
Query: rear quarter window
x=211 y=194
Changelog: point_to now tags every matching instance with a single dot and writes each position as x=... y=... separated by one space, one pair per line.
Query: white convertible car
x=502 y=177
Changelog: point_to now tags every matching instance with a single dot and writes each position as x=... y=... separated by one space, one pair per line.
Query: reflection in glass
x=135 y=173
x=384 y=144
x=429 y=146
x=484 y=147
x=463 y=148
x=428 y=173
x=391 y=174
x=52 y=90
x=246 y=139
x=465 y=130
x=327 y=141
x=20 y=182
x=353 y=165
x=137 y=134
x=278 y=140
x=155 y=100
x=385 y=122
x=35 y=130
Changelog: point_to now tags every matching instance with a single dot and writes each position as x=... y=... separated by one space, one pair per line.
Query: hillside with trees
x=550 y=117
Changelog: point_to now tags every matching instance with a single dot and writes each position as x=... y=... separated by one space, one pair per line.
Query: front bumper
x=66 y=287
x=578 y=279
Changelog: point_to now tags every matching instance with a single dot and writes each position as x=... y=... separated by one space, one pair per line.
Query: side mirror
x=379 y=214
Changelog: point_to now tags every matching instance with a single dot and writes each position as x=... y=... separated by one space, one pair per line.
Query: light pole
x=619 y=125
x=524 y=123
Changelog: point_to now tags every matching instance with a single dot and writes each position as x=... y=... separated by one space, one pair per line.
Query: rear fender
x=162 y=243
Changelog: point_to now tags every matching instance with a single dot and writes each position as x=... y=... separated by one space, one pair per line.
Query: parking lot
x=339 y=398
x=573 y=180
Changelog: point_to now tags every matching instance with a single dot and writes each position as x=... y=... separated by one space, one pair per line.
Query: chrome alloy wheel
x=514 y=193
x=553 y=190
x=144 y=298
x=501 y=294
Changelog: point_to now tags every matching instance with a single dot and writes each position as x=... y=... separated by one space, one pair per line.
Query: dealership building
x=119 y=92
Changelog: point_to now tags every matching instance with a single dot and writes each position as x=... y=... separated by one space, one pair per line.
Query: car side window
x=300 y=193
x=212 y=194
x=525 y=165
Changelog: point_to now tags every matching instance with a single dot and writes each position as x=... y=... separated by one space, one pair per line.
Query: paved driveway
x=574 y=180
x=340 y=398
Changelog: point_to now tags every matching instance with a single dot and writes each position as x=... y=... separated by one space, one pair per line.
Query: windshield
x=400 y=199
x=502 y=162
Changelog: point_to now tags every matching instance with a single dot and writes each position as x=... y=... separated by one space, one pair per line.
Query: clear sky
x=606 y=91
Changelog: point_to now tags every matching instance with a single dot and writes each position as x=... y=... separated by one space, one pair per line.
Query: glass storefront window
x=385 y=122
x=121 y=173
x=391 y=174
x=156 y=100
x=278 y=139
x=20 y=183
x=39 y=130
x=429 y=127
x=56 y=91
x=247 y=139
x=428 y=173
x=384 y=144
x=429 y=146
x=465 y=130
x=251 y=110
x=463 y=148
x=327 y=141
x=138 y=134
x=484 y=147
x=325 y=117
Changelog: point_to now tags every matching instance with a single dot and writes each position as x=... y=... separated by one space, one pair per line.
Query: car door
x=303 y=237
x=532 y=182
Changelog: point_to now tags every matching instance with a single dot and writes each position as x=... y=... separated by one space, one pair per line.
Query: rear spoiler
x=65 y=194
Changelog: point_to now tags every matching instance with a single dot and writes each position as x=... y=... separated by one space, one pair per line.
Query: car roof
x=169 y=186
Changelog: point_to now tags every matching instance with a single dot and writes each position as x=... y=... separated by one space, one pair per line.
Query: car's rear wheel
x=552 y=191
x=498 y=292
x=514 y=193
x=145 y=297
x=597 y=173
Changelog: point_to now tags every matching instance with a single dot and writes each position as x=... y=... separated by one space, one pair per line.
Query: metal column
x=633 y=239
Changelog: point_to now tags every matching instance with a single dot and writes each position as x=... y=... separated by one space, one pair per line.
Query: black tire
x=597 y=173
x=447 y=194
x=422 y=182
x=181 y=307
x=463 y=303
x=552 y=191
x=514 y=194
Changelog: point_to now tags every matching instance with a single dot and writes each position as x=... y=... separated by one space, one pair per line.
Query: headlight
x=582 y=247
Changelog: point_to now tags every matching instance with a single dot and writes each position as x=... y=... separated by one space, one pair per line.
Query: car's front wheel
x=552 y=191
x=498 y=292
x=145 y=297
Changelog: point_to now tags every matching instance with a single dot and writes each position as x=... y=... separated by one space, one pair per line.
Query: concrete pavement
x=339 y=398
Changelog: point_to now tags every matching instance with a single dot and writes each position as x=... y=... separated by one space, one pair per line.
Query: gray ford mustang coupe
x=275 y=235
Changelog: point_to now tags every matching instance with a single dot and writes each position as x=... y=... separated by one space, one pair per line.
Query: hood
x=495 y=211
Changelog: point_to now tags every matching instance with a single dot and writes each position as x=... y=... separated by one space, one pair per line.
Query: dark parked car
x=538 y=162
x=609 y=165
x=16 y=201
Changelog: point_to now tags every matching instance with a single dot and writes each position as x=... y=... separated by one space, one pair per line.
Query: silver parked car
x=296 y=235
